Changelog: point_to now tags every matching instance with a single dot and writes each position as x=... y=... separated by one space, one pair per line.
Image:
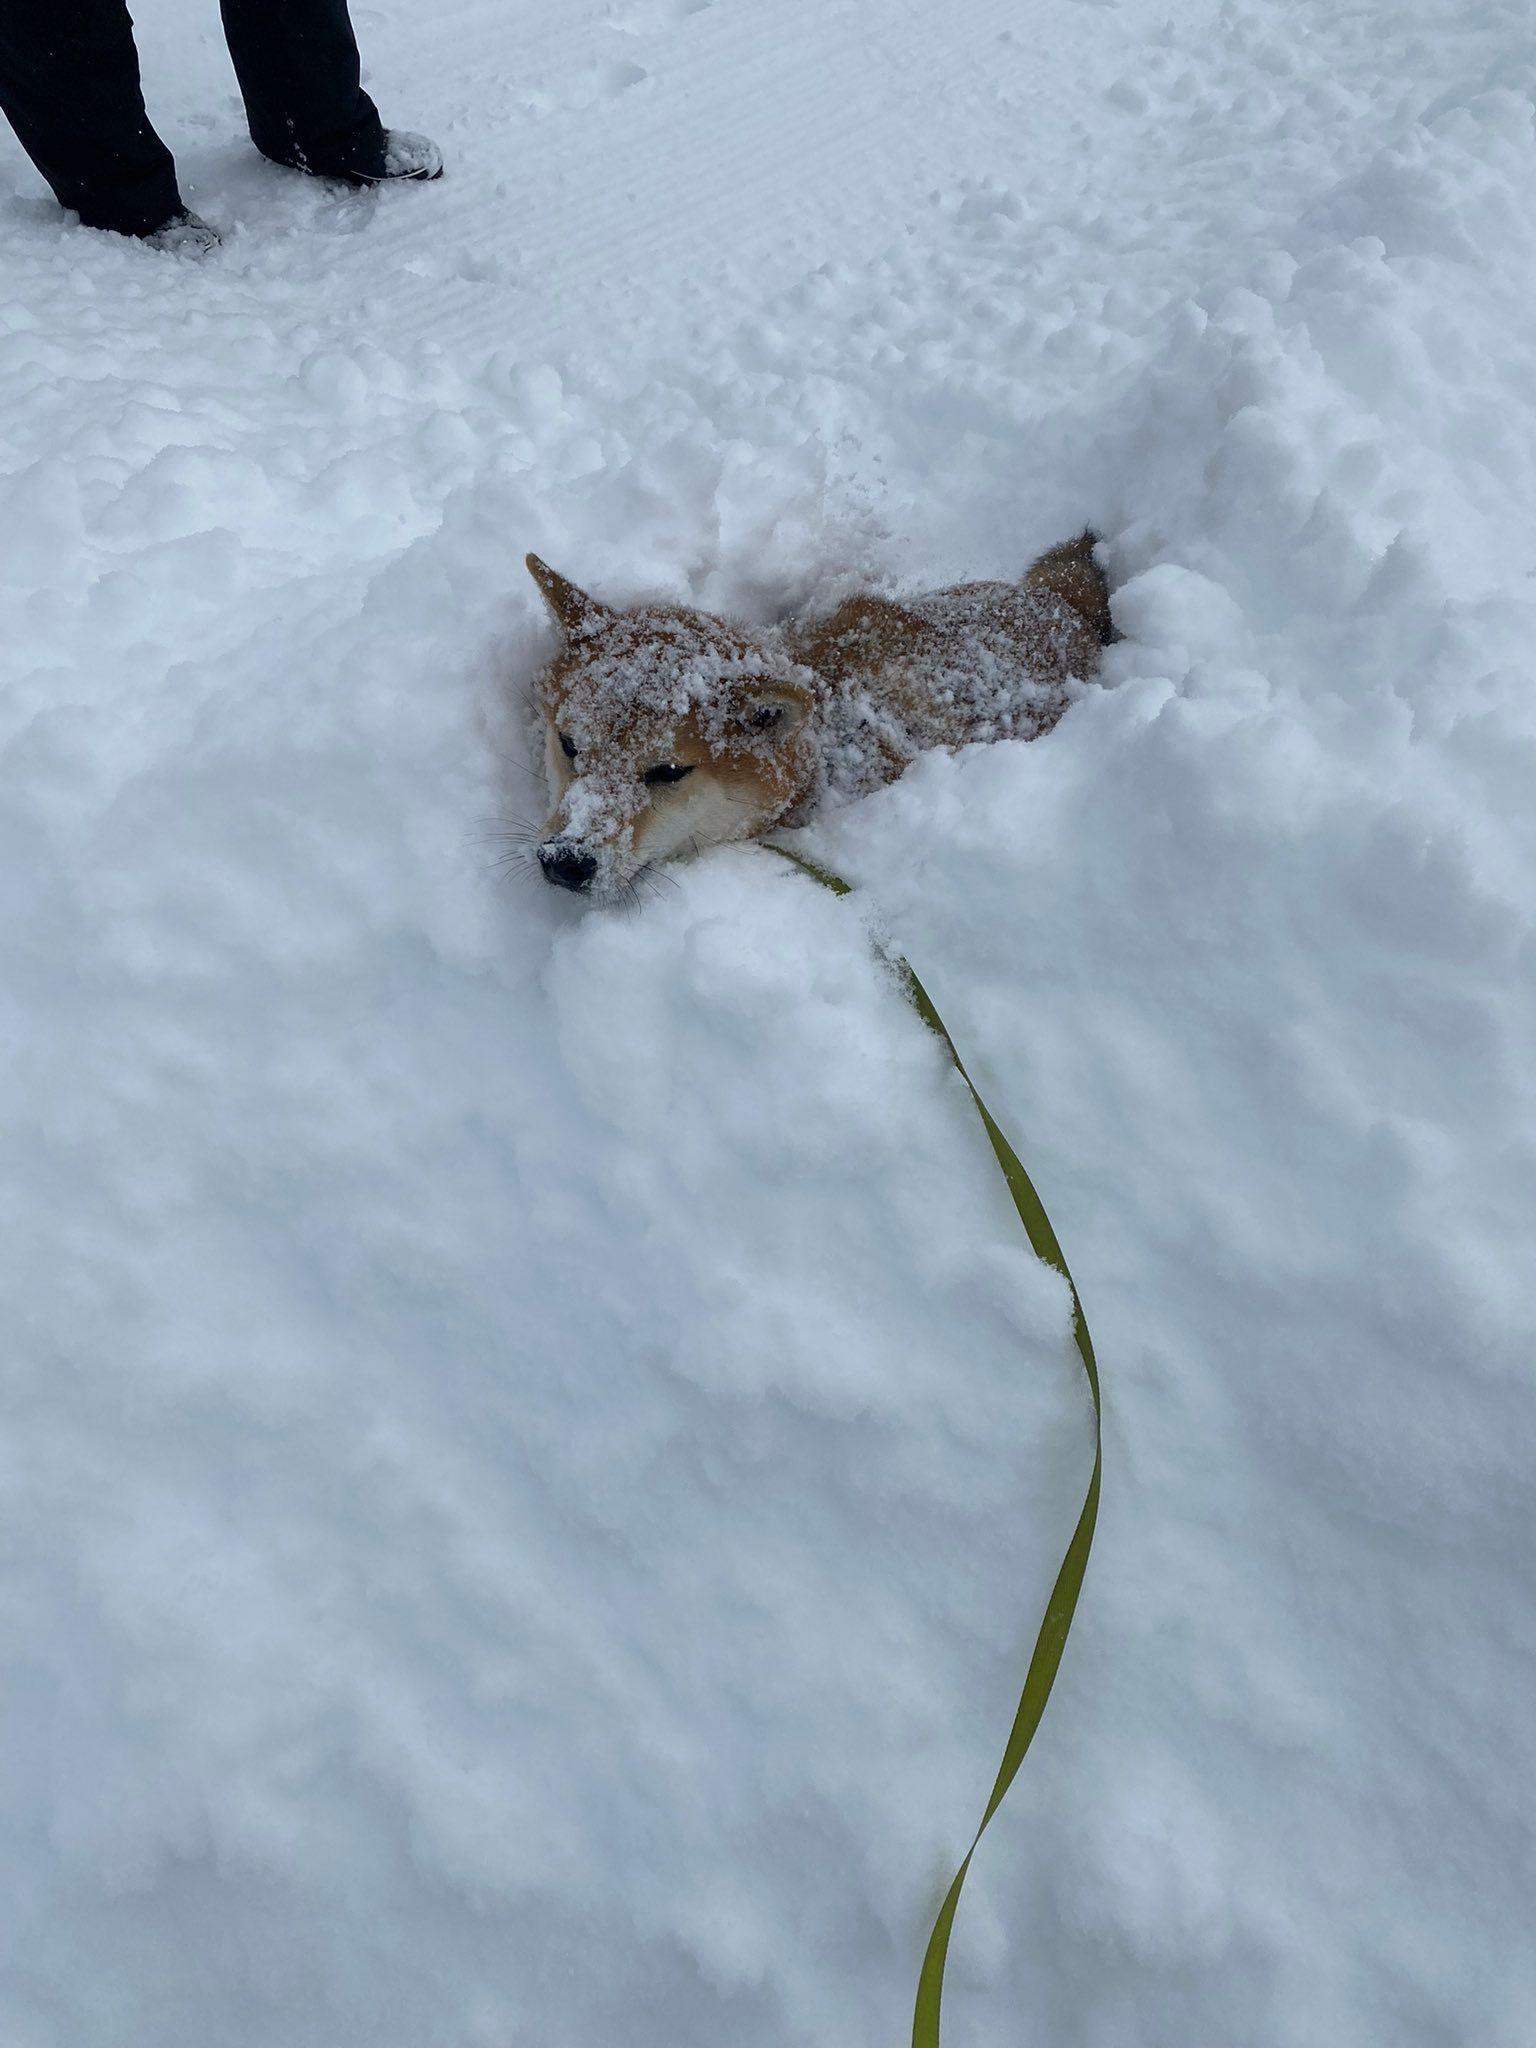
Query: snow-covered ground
x=532 y=1452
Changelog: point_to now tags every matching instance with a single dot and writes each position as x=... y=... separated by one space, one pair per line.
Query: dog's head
x=665 y=731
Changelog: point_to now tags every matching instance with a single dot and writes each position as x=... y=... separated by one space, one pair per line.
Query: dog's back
x=978 y=661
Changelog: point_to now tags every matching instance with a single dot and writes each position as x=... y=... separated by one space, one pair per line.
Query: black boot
x=401 y=158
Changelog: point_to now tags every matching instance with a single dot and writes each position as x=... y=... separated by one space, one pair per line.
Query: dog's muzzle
x=567 y=866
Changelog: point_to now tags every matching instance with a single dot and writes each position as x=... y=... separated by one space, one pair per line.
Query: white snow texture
x=533 y=1449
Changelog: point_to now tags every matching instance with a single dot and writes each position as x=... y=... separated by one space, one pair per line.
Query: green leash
x=1062 y=1605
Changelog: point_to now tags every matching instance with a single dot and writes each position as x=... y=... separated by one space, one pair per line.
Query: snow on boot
x=408 y=156
x=184 y=234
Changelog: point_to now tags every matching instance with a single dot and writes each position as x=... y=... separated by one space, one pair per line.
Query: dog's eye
x=765 y=717
x=665 y=771
x=567 y=746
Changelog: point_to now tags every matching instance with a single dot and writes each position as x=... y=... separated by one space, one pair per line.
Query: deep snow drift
x=533 y=1451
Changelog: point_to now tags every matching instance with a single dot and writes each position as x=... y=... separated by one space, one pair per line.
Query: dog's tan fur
x=667 y=729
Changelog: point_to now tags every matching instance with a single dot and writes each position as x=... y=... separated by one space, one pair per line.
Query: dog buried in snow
x=668 y=730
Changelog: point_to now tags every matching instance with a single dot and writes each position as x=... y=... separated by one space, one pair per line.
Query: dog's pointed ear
x=572 y=610
x=768 y=711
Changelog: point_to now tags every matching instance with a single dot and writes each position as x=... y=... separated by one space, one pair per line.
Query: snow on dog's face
x=666 y=731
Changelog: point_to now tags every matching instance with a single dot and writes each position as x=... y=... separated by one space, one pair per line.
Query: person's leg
x=69 y=86
x=297 y=64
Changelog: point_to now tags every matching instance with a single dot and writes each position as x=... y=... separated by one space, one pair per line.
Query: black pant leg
x=69 y=86
x=297 y=64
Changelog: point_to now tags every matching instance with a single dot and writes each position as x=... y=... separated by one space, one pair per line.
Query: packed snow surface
x=533 y=1448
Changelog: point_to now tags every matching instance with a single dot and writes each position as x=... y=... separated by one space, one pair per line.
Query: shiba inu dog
x=668 y=730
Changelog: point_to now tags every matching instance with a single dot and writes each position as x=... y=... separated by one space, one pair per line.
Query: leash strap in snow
x=1062 y=1605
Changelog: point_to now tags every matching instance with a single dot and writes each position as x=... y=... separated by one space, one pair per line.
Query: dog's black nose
x=567 y=866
